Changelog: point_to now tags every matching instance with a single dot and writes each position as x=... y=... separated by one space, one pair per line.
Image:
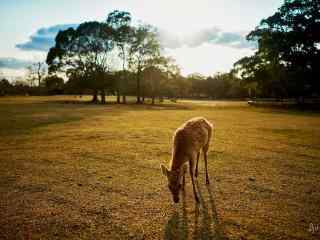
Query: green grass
x=81 y=171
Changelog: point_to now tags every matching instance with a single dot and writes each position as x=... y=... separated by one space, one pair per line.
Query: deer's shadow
x=206 y=223
x=177 y=225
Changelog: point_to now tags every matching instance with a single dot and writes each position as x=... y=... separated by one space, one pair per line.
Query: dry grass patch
x=80 y=171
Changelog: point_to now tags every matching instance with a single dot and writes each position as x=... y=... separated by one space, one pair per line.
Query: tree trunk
x=138 y=86
x=124 y=99
x=124 y=77
x=39 y=74
x=124 y=87
x=95 y=96
x=153 y=97
x=143 y=90
x=118 y=90
x=118 y=95
x=103 y=96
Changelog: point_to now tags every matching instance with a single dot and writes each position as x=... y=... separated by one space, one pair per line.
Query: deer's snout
x=176 y=199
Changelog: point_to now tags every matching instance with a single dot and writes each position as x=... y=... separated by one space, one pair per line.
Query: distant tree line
x=16 y=88
x=155 y=85
x=49 y=85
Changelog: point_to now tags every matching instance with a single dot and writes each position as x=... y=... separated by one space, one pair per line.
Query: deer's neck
x=176 y=164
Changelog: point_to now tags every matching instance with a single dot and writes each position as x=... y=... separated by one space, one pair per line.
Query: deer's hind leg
x=196 y=173
x=205 y=152
x=184 y=170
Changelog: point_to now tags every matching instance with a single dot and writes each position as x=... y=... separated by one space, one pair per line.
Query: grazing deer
x=188 y=141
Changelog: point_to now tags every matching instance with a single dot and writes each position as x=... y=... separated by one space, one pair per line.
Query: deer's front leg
x=191 y=170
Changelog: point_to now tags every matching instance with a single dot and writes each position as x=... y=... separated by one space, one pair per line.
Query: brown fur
x=188 y=140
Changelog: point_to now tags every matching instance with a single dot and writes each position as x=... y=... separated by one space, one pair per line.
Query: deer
x=188 y=140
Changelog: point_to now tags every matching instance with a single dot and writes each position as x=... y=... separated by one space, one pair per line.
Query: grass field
x=81 y=171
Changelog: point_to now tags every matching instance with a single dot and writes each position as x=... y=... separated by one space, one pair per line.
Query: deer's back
x=192 y=136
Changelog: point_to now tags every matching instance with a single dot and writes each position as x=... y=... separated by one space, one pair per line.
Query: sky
x=203 y=36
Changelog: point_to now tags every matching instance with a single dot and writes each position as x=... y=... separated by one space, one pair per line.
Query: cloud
x=14 y=63
x=168 y=40
x=235 y=40
x=43 y=39
x=212 y=36
x=200 y=37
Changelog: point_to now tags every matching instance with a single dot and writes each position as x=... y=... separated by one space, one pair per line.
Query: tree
x=156 y=73
x=120 y=22
x=21 y=87
x=154 y=77
x=144 y=47
x=198 y=84
x=218 y=85
x=5 y=87
x=36 y=72
x=84 y=52
x=76 y=83
x=54 y=84
x=286 y=63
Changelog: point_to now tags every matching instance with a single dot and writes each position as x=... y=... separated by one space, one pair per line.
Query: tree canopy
x=288 y=55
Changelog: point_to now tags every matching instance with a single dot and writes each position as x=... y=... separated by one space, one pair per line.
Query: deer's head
x=174 y=182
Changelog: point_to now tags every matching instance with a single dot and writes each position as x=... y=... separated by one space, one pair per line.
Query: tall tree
x=144 y=47
x=120 y=22
x=36 y=72
x=154 y=77
x=84 y=52
x=289 y=52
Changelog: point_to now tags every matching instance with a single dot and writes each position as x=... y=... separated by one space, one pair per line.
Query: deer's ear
x=164 y=170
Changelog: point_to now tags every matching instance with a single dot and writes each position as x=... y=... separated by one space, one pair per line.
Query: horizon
x=207 y=45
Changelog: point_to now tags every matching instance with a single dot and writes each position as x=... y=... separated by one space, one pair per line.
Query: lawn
x=73 y=170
